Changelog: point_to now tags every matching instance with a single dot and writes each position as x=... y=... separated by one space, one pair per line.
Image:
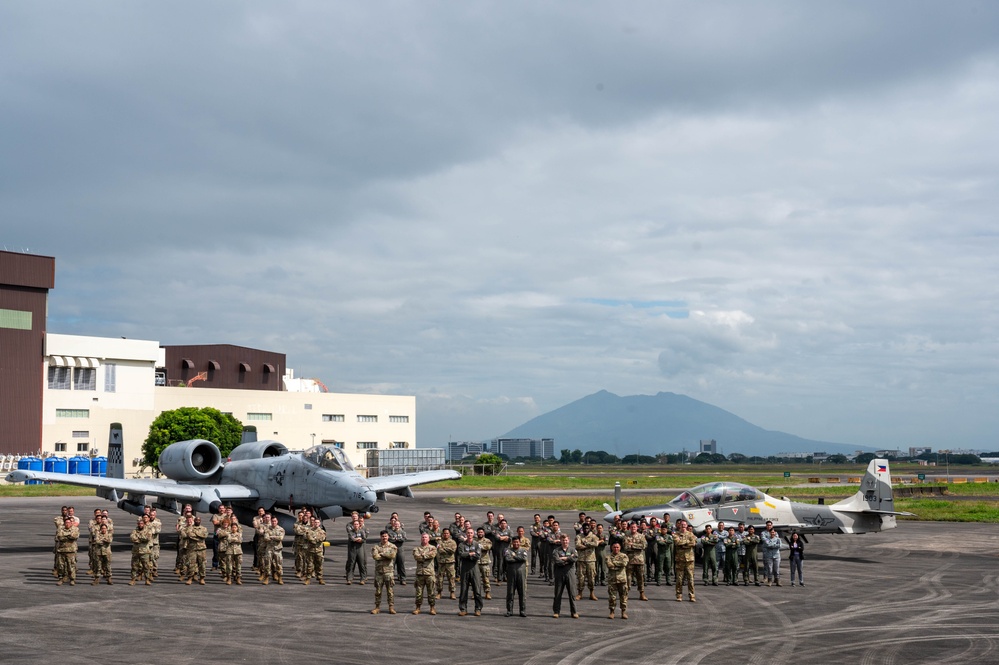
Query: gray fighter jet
x=256 y=474
x=870 y=509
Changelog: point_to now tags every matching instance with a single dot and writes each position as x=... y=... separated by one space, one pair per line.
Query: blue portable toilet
x=31 y=463
x=99 y=466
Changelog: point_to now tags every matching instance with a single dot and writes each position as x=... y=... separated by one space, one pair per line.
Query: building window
x=335 y=444
x=308 y=407
x=398 y=419
x=72 y=413
x=399 y=444
x=59 y=378
x=82 y=447
x=81 y=434
x=332 y=417
x=259 y=416
x=367 y=419
x=15 y=319
x=84 y=378
x=110 y=377
x=60 y=447
x=366 y=445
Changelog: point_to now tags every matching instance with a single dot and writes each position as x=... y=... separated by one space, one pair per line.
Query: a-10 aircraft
x=870 y=509
x=257 y=474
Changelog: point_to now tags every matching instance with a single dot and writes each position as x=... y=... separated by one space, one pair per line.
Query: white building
x=95 y=381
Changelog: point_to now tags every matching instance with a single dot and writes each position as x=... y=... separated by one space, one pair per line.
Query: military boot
x=624 y=614
x=611 y=615
x=376 y=610
x=189 y=581
x=417 y=610
x=433 y=610
x=642 y=596
x=391 y=609
x=593 y=596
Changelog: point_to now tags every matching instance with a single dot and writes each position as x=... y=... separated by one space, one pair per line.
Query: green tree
x=576 y=456
x=864 y=458
x=190 y=422
x=488 y=464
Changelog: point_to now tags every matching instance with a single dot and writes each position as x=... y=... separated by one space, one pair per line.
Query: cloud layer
x=787 y=211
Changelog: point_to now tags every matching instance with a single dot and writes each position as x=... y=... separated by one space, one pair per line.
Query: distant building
x=459 y=450
x=404 y=460
x=540 y=448
x=916 y=451
x=820 y=457
x=709 y=446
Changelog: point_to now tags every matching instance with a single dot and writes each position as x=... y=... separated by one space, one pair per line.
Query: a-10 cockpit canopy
x=328 y=457
x=710 y=494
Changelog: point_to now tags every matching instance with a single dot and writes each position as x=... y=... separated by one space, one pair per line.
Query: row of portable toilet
x=79 y=465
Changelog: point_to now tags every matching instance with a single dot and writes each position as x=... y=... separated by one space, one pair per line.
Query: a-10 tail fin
x=116 y=452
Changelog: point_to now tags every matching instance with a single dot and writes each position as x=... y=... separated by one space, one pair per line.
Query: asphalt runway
x=925 y=592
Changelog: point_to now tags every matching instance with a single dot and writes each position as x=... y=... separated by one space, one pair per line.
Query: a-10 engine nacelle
x=196 y=459
x=258 y=450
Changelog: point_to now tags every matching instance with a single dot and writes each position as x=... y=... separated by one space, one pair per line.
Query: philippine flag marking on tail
x=882 y=468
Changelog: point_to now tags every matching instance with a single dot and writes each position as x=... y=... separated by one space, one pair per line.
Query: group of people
x=461 y=556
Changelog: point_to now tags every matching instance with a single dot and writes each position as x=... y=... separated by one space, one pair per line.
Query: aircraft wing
x=188 y=493
x=400 y=483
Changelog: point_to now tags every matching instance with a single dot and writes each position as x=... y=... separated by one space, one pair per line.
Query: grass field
x=45 y=490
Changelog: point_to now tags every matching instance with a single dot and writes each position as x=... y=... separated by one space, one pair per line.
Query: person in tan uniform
x=586 y=567
x=384 y=554
x=446 y=549
x=101 y=545
x=617 y=580
x=66 y=547
x=684 y=542
x=425 y=554
x=634 y=546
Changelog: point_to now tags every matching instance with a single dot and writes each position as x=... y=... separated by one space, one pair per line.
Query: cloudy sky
x=788 y=210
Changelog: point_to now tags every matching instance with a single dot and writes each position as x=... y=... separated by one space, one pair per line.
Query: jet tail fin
x=116 y=452
x=875 y=494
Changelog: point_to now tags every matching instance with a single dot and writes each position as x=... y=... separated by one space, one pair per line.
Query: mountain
x=667 y=422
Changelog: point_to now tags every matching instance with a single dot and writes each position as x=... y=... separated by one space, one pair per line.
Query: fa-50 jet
x=870 y=509
x=257 y=474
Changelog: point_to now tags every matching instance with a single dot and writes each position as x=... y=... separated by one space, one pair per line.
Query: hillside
x=666 y=422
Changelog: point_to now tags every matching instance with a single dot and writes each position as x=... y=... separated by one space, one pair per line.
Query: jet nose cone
x=370 y=497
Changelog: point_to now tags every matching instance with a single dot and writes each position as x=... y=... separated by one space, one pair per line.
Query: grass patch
x=941 y=510
x=55 y=489
x=606 y=482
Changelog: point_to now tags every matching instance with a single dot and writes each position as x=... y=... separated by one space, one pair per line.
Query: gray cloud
x=474 y=204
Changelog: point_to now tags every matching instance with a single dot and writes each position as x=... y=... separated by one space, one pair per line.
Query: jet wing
x=400 y=483
x=171 y=489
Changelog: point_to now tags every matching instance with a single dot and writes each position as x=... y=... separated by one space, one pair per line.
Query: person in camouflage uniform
x=617 y=580
x=141 y=548
x=272 y=563
x=709 y=552
x=384 y=554
x=181 y=543
x=553 y=540
x=197 y=546
x=59 y=521
x=303 y=522
x=485 y=560
x=101 y=545
x=684 y=542
x=515 y=558
x=92 y=529
x=600 y=574
x=634 y=547
x=752 y=543
x=425 y=555
x=314 y=539
x=445 y=562
x=664 y=548
x=232 y=541
x=66 y=547
x=586 y=567
x=156 y=527
x=397 y=536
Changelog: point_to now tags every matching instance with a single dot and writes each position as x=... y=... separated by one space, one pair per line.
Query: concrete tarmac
x=924 y=592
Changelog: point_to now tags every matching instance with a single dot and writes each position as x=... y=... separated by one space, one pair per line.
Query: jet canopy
x=330 y=458
x=710 y=494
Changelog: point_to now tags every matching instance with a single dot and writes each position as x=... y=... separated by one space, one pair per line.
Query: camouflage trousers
x=617 y=592
x=484 y=571
x=313 y=565
x=586 y=575
x=636 y=575
x=194 y=565
x=155 y=556
x=231 y=566
x=445 y=571
x=384 y=581
x=66 y=566
x=425 y=582
x=141 y=566
x=102 y=566
x=271 y=564
x=300 y=556
x=684 y=573
x=181 y=553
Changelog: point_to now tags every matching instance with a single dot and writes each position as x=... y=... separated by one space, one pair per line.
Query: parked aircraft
x=256 y=474
x=870 y=509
